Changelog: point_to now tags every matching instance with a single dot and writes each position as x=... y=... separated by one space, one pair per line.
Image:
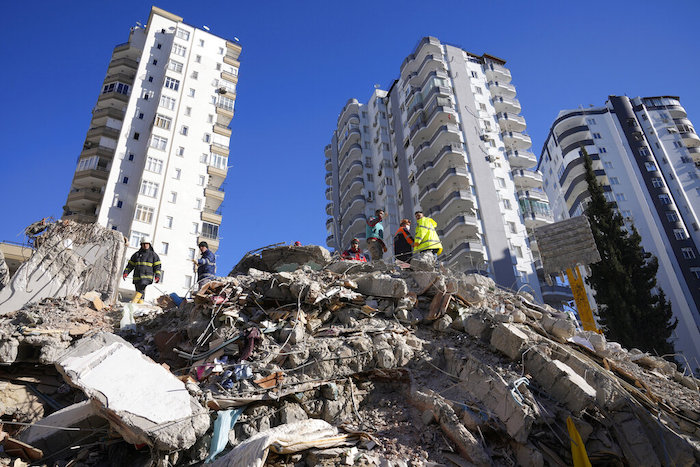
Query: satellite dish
x=377 y=86
x=205 y=27
x=236 y=39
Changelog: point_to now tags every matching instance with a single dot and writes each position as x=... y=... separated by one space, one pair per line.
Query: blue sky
x=301 y=61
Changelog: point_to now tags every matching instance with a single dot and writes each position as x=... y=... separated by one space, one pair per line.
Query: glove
x=124 y=276
x=157 y=279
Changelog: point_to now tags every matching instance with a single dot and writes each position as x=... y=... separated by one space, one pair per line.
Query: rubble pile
x=296 y=359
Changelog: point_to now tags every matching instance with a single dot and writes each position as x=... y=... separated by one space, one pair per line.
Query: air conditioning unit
x=221 y=90
x=490 y=158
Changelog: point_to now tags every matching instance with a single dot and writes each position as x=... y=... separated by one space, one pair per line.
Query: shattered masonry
x=297 y=359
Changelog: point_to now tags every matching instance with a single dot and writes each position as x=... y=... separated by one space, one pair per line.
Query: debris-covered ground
x=296 y=359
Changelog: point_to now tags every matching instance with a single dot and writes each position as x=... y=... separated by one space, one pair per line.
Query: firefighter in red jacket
x=354 y=253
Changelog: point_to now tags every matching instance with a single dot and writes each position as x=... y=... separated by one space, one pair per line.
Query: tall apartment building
x=446 y=138
x=646 y=156
x=156 y=153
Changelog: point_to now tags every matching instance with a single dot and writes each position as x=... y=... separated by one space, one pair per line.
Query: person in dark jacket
x=354 y=253
x=403 y=241
x=206 y=265
x=146 y=266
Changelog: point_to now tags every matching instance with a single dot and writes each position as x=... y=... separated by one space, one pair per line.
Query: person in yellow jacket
x=426 y=238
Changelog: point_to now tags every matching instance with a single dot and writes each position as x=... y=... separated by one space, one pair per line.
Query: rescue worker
x=206 y=265
x=427 y=239
x=403 y=241
x=146 y=266
x=375 y=235
x=354 y=253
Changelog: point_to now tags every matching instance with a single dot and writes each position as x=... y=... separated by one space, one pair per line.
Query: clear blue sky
x=301 y=61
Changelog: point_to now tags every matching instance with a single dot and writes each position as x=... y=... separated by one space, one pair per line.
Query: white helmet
x=145 y=239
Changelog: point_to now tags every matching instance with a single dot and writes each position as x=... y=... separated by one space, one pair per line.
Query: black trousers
x=142 y=289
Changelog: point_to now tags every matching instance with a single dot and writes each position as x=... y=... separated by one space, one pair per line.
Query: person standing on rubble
x=354 y=253
x=206 y=265
x=427 y=239
x=403 y=241
x=375 y=235
x=146 y=266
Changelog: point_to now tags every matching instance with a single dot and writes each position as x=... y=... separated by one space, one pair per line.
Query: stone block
x=509 y=340
x=478 y=327
x=443 y=323
x=425 y=278
x=563 y=329
x=382 y=285
x=423 y=262
x=580 y=393
x=143 y=401
x=291 y=258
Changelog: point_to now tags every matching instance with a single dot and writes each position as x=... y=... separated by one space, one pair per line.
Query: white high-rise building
x=446 y=138
x=646 y=155
x=156 y=152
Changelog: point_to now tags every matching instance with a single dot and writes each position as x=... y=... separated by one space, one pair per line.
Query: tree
x=632 y=309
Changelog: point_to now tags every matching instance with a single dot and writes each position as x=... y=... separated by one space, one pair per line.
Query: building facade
x=447 y=138
x=646 y=156
x=156 y=153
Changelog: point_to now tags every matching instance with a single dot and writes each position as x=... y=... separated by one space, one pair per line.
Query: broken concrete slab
x=291 y=258
x=382 y=285
x=143 y=401
x=509 y=340
x=71 y=259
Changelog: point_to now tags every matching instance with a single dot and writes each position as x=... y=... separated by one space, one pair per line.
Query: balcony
x=511 y=122
x=330 y=241
x=354 y=187
x=695 y=154
x=80 y=198
x=554 y=295
x=355 y=226
x=329 y=223
x=468 y=256
x=451 y=155
x=446 y=134
x=690 y=139
x=329 y=208
x=103 y=130
x=219 y=149
x=232 y=59
x=352 y=106
x=456 y=203
x=212 y=241
x=222 y=130
x=501 y=89
x=96 y=177
x=213 y=197
x=431 y=64
x=124 y=63
x=224 y=115
x=216 y=175
x=506 y=104
x=496 y=72
x=534 y=194
x=535 y=213
x=461 y=227
x=211 y=216
x=112 y=98
x=91 y=149
x=81 y=218
x=353 y=154
x=100 y=116
x=527 y=179
x=329 y=194
x=516 y=140
x=676 y=111
x=521 y=159
x=355 y=169
x=329 y=164
x=438 y=117
x=351 y=137
x=355 y=206
x=428 y=45
x=450 y=179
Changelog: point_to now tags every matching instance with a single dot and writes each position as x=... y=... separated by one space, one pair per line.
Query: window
x=140 y=115
x=210 y=230
x=518 y=251
x=657 y=182
x=135 y=238
x=650 y=166
x=203 y=158
x=506 y=204
x=198 y=203
x=665 y=199
x=672 y=216
x=221 y=50
x=163 y=122
x=677 y=144
x=627 y=214
x=201 y=42
x=180 y=151
x=172 y=83
x=210 y=118
x=125 y=180
x=119 y=204
x=608 y=164
x=164 y=248
x=167 y=102
x=620 y=197
x=609 y=196
x=159 y=142
x=512 y=227
x=143 y=214
x=614 y=180
x=137 y=135
x=195 y=228
x=159 y=46
x=693 y=176
x=370 y=177
x=191 y=253
x=177 y=173
x=218 y=67
x=501 y=182
x=590 y=121
x=149 y=188
x=474 y=75
x=478 y=90
x=226 y=103
x=179 y=50
x=174 y=65
x=602 y=150
x=146 y=95
x=688 y=253
x=191 y=92
x=154 y=165
x=218 y=161
x=117 y=87
x=168 y=222
x=150 y=79
x=131 y=157
x=644 y=152
x=201 y=180
x=206 y=138
x=184 y=130
x=198 y=58
x=182 y=34
x=195 y=75
x=596 y=136
x=173 y=197
x=679 y=234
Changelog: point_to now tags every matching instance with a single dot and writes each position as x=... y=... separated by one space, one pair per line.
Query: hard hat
x=145 y=239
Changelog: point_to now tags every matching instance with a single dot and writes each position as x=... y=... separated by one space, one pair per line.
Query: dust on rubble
x=301 y=359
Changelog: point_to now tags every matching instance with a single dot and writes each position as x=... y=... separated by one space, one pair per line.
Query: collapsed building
x=297 y=358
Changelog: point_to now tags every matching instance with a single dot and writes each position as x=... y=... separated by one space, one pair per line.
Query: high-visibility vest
x=426 y=236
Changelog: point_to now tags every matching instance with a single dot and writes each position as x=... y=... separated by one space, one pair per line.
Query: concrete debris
x=70 y=259
x=334 y=363
x=4 y=272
